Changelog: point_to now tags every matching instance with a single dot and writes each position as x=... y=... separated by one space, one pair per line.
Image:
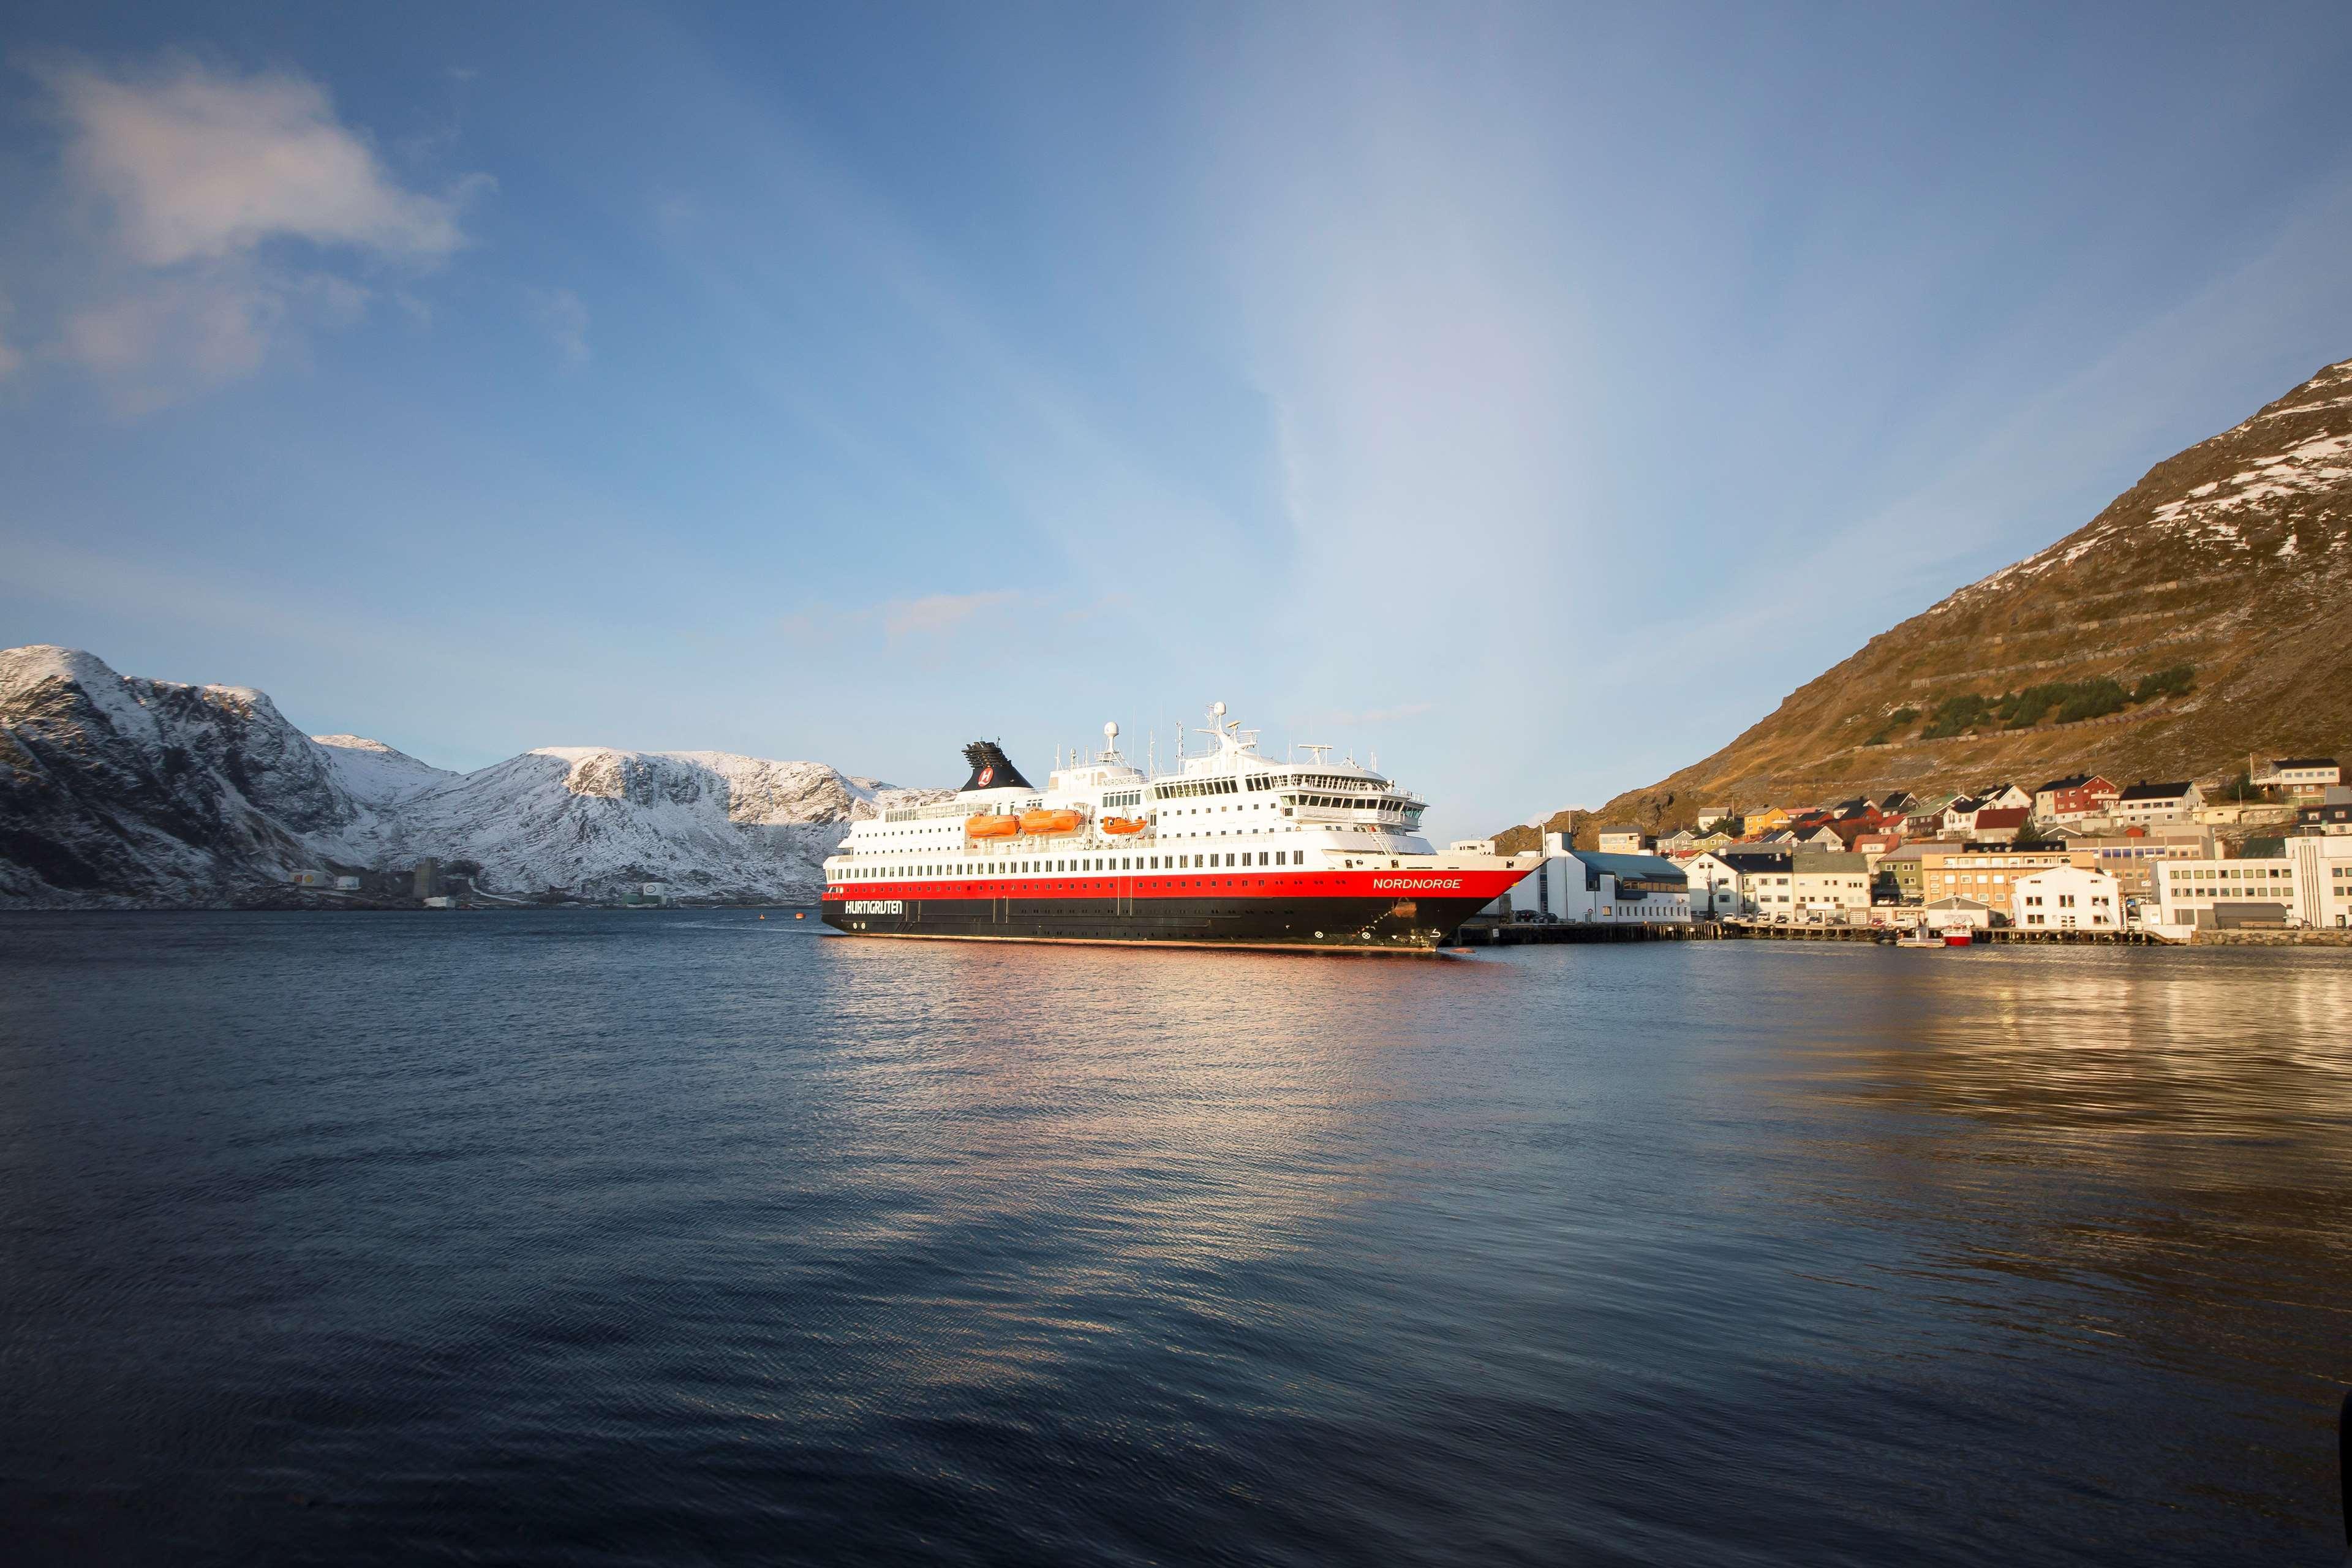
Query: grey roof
x=1966 y=802
x=2145 y=790
x=1618 y=827
x=1746 y=860
x=1956 y=902
x=2303 y=761
x=1830 y=860
x=2072 y=780
x=1632 y=867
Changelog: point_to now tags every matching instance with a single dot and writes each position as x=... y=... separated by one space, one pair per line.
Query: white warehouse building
x=1583 y=886
x=2067 y=897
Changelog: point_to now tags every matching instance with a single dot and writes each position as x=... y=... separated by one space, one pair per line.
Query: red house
x=2074 y=797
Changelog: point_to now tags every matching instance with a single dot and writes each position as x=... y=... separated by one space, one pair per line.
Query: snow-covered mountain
x=587 y=819
x=121 y=791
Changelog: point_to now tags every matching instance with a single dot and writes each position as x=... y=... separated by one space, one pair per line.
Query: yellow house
x=1754 y=822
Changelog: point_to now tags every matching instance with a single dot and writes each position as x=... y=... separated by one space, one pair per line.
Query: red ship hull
x=1359 y=911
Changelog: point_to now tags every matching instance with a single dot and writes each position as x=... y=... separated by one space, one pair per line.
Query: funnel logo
x=985 y=775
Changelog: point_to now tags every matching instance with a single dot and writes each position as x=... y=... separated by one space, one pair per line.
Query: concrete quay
x=1496 y=933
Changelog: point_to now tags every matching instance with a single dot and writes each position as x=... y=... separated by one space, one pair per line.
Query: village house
x=1899 y=875
x=1764 y=820
x=1924 y=823
x=2332 y=814
x=1959 y=818
x=1623 y=840
x=1718 y=880
x=1829 y=885
x=2072 y=798
x=2144 y=803
x=2068 y=898
x=1900 y=803
x=1872 y=846
x=1709 y=816
x=2300 y=778
x=2000 y=824
x=2004 y=798
x=1689 y=842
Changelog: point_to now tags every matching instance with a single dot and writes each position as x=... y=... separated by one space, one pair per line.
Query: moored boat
x=1233 y=848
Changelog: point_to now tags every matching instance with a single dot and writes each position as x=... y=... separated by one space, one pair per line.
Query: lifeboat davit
x=992 y=826
x=1122 y=824
x=1047 y=823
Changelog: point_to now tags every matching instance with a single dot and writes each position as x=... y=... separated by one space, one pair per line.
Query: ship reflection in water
x=650 y=1236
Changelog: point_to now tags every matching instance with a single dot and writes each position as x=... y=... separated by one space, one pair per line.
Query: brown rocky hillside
x=2233 y=558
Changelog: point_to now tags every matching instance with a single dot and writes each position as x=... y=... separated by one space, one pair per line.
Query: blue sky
x=1534 y=395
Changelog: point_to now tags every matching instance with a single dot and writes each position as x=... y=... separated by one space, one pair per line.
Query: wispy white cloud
x=195 y=166
x=935 y=615
x=195 y=177
x=563 y=315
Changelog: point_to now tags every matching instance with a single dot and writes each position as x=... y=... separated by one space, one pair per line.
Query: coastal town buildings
x=2098 y=849
x=1989 y=872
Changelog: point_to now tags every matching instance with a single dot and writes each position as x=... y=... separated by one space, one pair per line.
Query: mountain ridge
x=121 y=790
x=2232 y=557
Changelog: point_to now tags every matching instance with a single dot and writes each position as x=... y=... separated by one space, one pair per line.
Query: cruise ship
x=1232 y=849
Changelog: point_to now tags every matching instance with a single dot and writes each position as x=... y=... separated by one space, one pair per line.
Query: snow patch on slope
x=380 y=776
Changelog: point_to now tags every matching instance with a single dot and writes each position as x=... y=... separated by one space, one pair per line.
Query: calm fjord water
x=674 y=1238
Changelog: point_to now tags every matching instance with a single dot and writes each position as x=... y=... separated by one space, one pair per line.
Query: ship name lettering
x=1411 y=885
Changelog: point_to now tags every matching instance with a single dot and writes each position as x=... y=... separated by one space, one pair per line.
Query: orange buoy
x=1122 y=824
x=989 y=825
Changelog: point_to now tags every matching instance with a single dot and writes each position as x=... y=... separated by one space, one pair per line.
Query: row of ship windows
x=1230 y=858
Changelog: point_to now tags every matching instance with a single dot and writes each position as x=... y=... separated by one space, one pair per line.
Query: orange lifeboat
x=1122 y=824
x=991 y=825
x=1047 y=823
